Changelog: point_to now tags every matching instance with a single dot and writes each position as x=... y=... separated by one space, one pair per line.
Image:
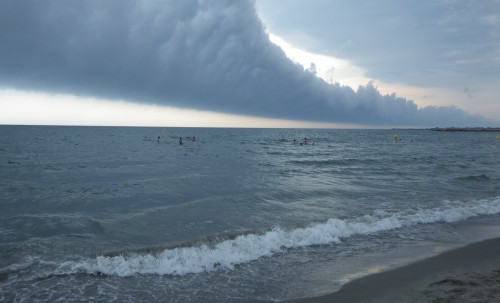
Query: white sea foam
x=246 y=248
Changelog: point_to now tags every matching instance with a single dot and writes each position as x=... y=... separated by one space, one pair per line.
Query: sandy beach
x=467 y=274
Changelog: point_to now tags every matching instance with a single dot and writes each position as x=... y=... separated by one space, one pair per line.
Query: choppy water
x=109 y=214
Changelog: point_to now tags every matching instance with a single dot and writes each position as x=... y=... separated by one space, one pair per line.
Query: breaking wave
x=229 y=253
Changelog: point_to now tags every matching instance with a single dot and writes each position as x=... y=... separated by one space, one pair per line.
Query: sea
x=112 y=214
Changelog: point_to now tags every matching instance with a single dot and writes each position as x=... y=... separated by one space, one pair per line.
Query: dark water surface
x=109 y=214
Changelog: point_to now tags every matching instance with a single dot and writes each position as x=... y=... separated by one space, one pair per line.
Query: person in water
x=194 y=139
x=180 y=141
x=305 y=141
x=294 y=142
x=158 y=140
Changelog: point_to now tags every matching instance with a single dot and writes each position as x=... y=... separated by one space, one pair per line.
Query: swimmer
x=180 y=141
x=158 y=140
x=294 y=142
x=194 y=139
x=305 y=141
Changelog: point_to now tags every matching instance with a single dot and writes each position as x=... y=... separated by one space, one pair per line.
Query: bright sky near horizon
x=383 y=63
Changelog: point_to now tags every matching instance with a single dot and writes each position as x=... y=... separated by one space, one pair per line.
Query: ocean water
x=103 y=214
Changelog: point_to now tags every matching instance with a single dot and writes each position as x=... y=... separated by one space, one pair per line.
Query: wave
x=335 y=162
x=250 y=247
x=475 y=178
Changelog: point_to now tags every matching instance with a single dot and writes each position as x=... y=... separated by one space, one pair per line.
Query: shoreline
x=465 y=274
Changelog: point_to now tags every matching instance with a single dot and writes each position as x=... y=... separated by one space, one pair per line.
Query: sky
x=263 y=63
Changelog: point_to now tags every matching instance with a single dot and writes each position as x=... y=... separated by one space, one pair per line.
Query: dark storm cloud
x=424 y=43
x=203 y=54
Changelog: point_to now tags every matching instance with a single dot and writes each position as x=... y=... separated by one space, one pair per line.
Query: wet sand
x=467 y=274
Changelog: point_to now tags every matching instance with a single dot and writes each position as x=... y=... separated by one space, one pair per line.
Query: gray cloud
x=203 y=54
x=426 y=43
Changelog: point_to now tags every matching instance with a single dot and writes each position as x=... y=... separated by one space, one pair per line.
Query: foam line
x=246 y=248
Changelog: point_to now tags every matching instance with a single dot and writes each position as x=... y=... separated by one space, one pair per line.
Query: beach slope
x=467 y=274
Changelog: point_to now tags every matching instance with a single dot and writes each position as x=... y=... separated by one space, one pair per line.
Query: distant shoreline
x=466 y=129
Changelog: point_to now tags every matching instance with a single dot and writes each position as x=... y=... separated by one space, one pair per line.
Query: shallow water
x=108 y=213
